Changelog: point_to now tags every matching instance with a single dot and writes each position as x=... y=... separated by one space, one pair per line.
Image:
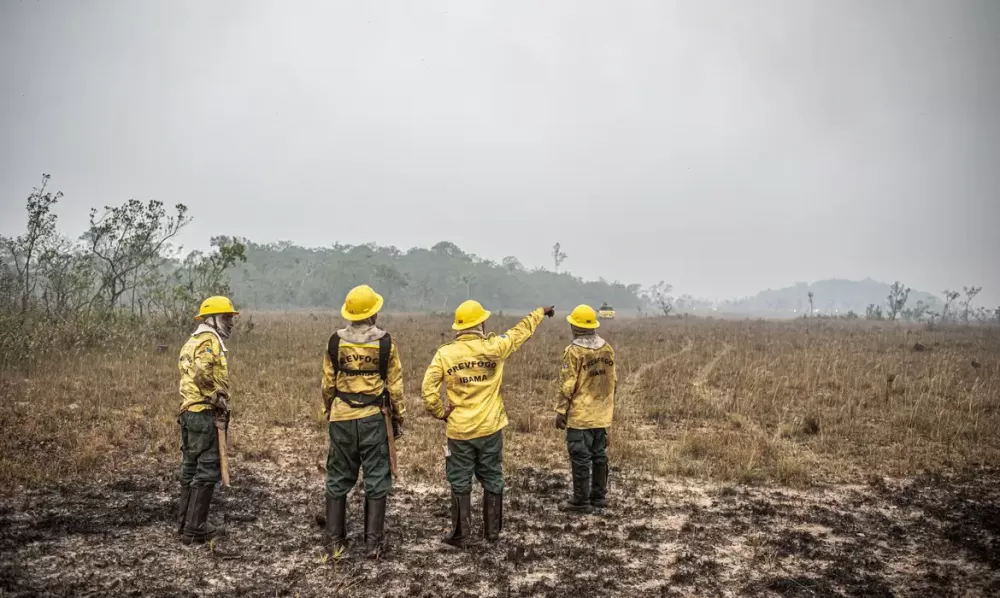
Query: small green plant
x=336 y=556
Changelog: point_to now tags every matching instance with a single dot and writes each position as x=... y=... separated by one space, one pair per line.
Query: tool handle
x=223 y=457
x=392 y=443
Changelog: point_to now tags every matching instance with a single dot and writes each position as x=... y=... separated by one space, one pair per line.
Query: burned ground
x=931 y=535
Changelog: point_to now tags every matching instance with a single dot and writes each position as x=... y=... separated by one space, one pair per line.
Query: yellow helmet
x=469 y=314
x=583 y=316
x=361 y=303
x=215 y=306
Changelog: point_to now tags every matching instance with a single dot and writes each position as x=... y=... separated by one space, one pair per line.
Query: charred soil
x=931 y=535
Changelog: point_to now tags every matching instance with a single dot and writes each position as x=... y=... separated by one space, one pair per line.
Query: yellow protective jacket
x=587 y=384
x=359 y=374
x=471 y=369
x=204 y=370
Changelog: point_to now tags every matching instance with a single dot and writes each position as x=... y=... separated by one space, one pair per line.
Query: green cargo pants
x=355 y=444
x=199 y=449
x=480 y=456
x=587 y=449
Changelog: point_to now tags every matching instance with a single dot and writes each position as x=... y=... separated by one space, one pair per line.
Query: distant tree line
x=283 y=275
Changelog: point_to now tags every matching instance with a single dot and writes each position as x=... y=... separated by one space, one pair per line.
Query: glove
x=222 y=420
x=221 y=411
x=397 y=428
x=560 y=421
x=447 y=412
x=549 y=311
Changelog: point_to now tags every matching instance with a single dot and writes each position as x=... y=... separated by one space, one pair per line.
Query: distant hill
x=829 y=296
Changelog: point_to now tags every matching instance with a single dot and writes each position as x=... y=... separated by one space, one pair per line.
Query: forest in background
x=283 y=275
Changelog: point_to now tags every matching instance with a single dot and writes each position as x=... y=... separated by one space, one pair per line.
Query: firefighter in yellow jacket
x=585 y=408
x=471 y=369
x=362 y=376
x=204 y=393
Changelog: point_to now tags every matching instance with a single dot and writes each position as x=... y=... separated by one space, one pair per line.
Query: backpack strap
x=333 y=350
x=384 y=348
x=358 y=400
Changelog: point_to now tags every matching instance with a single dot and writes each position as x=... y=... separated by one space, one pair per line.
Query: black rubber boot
x=335 y=533
x=374 y=526
x=492 y=515
x=182 y=508
x=461 y=522
x=599 y=486
x=197 y=529
x=580 y=503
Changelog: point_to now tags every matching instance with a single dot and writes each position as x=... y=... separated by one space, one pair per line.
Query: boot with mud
x=335 y=532
x=492 y=515
x=197 y=529
x=182 y=508
x=599 y=486
x=580 y=503
x=374 y=527
x=461 y=522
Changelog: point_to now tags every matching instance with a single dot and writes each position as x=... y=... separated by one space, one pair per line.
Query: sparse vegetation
x=121 y=282
x=24 y=251
x=659 y=296
x=917 y=313
x=558 y=256
x=949 y=299
x=896 y=301
x=763 y=379
x=873 y=312
x=970 y=294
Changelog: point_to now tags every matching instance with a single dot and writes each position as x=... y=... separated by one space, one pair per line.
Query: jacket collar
x=361 y=333
x=203 y=328
x=590 y=341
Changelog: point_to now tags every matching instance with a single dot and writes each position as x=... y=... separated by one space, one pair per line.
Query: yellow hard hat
x=469 y=314
x=361 y=303
x=583 y=316
x=216 y=306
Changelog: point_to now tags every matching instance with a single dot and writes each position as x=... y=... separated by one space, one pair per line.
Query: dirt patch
x=934 y=535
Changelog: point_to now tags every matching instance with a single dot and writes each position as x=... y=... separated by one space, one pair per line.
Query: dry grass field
x=805 y=458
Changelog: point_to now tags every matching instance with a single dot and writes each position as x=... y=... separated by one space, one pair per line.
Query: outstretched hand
x=549 y=311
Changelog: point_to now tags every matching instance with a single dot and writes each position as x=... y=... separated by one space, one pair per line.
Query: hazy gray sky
x=724 y=146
